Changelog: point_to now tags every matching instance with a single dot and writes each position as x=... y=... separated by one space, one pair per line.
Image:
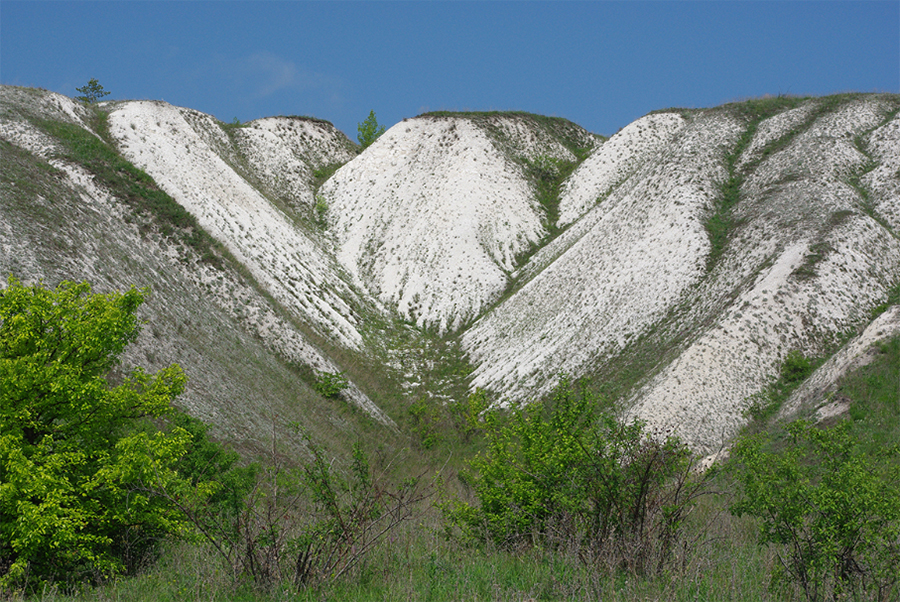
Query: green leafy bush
x=467 y=414
x=796 y=367
x=330 y=384
x=831 y=512
x=426 y=422
x=564 y=473
x=76 y=457
x=369 y=130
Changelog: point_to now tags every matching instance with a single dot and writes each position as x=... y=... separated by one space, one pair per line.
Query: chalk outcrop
x=682 y=259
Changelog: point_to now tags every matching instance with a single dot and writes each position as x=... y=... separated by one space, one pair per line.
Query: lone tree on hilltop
x=369 y=130
x=91 y=92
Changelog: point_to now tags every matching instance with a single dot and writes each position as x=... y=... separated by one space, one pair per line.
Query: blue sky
x=599 y=64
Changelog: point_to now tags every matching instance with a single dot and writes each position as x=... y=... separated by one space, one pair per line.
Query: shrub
x=796 y=367
x=426 y=421
x=330 y=384
x=467 y=414
x=305 y=525
x=831 y=512
x=564 y=473
x=76 y=454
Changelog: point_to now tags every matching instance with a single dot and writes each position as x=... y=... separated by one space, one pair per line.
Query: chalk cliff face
x=682 y=259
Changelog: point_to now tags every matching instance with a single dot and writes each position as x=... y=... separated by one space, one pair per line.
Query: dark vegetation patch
x=322 y=174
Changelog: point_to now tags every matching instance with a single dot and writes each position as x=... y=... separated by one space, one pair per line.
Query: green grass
x=874 y=394
x=720 y=560
x=421 y=565
x=133 y=186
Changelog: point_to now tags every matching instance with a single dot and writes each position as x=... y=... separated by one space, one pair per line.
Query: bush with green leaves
x=831 y=512
x=565 y=473
x=77 y=454
x=330 y=384
x=468 y=414
x=369 y=130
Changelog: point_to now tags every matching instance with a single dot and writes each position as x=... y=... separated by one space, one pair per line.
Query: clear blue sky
x=599 y=64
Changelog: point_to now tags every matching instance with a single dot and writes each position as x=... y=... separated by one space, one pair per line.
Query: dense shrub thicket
x=565 y=474
x=831 y=512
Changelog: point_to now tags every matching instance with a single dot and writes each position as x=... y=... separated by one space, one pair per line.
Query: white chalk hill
x=682 y=259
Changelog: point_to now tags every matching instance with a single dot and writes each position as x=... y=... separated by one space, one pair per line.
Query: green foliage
x=467 y=414
x=757 y=109
x=548 y=173
x=721 y=224
x=566 y=474
x=832 y=513
x=91 y=92
x=207 y=460
x=321 y=211
x=794 y=370
x=369 y=130
x=75 y=457
x=326 y=171
x=426 y=420
x=330 y=384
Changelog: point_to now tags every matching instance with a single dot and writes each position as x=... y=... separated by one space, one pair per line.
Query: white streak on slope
x=176 y=147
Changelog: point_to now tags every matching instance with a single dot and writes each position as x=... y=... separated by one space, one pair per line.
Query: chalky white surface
x=183 y=151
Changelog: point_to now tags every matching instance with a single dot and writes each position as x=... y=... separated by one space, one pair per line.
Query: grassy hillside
x=720 y=559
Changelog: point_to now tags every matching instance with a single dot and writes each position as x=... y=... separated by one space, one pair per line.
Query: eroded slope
x=60 y=221
x=191 y=157
x=431 y=218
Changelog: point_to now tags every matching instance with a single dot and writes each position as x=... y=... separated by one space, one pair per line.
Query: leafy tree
x=369 y=130
x=78 y=457
x=831 y=512
x=91 y=92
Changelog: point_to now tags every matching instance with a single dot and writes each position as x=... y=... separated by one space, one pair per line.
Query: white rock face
x=284 y=153
x=614 y=161
x=183 y=151
x=620 y=269
x=430 y=219
x=817 y=263
x=883 y=182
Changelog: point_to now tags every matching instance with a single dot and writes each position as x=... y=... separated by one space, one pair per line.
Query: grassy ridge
x=134 y=185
